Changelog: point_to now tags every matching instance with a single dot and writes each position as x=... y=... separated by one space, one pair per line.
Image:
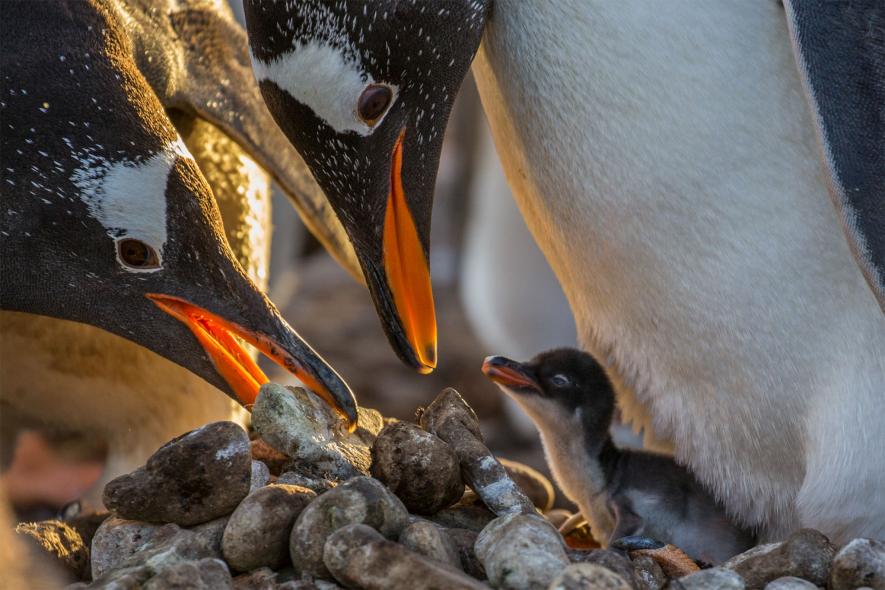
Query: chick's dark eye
x=137 y=254
x=559 y=380
x=373 y=102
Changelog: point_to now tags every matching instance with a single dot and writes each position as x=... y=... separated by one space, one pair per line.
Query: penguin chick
x=621 y=492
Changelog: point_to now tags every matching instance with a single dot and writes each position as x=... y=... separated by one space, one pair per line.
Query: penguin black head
x=557 y=386
x=363 y=90
x=107 y=220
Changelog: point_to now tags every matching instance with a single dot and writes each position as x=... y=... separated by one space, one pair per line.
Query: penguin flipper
x=840 y=51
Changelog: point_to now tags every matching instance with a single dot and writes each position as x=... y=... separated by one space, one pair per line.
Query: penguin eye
x=373 y=102
x=137 y=254
x=559 y=380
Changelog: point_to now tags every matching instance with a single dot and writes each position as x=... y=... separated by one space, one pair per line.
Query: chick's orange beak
x=407 y=269
x=216 y=335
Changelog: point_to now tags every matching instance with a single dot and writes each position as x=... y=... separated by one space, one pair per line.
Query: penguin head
x=364 y=90
x=107 y=219
x=560 y=386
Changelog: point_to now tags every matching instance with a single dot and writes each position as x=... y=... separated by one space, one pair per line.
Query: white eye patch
x=129 y=198
x=322 y=78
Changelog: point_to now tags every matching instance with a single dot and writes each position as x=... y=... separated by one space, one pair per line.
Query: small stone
x=205 y=574
x=257 y=534
x=361 y=500
x=859 y=563
x=299 y=424
x=588 y=576
x=791 y=583
x=418 y=467
x=211 y=534
x=360 y=557
x=608 y=559
x=715 y=578
x=469 y=516
x=431 y=541
x=521 y=552
x=672 y=560
x=647 y=574
x=319 y=485
x=451 y=419
x=116 y=540
x=464 y=541
x=191 y=479
x=261 y=579
x=60 y=542
x=531 y=481
x=260 y=475
x=169 y=546
x=806 y=554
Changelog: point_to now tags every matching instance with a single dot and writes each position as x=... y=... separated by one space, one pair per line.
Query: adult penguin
x=668 y=162
x=105 y=205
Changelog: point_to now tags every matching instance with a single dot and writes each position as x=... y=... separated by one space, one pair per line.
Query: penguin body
x=108 y=222
x=621 y=492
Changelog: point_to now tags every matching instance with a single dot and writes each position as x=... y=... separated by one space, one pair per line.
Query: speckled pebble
x=806 y=554
x=715 y=578
x=191 y=479
x=521 y=552
x=790 y=583
x=588 y=576
x=260 y=475
x=860 y=562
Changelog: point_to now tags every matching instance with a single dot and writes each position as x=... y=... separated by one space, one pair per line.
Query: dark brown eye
x=373 y=102
x=137 y=254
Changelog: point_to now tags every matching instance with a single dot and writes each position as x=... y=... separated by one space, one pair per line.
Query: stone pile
x=308 y=504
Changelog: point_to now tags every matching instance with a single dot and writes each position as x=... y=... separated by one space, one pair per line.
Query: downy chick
x=621 y=492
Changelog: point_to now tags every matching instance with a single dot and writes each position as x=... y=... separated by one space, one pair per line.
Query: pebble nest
x=306 y=504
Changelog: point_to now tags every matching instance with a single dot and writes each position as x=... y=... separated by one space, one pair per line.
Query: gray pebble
x=715 y=578
x=205 y=574
x=790 y=583
x=859 y=563
x=464 y=541
x=474 y=517
x=430 y=540
x=521 y=552
x=360 y=557
x=260 y=579
x=588 y=576
x=116 y=540
x=260 y=475
x=257 y=534
x=647 y=574
x=418 y=467
x=360 y=500
x=606 y=558
x=191 y=479
x=298 y=423
x=806 y=554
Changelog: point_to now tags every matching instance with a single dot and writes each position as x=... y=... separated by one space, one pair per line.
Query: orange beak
x=235 y=365
x=407 y=269
x=505 y=372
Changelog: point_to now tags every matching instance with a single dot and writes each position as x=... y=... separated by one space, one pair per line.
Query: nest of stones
x=306 y=504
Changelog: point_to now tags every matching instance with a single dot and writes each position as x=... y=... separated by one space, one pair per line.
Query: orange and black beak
x=407 y=275
x=218 y=337
x=510 y=374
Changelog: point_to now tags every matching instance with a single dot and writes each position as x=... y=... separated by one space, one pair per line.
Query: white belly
x=666 y=163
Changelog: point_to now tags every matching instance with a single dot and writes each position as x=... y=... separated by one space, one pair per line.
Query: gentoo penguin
x=668 y=163
x=108 y=223
x=621 y=492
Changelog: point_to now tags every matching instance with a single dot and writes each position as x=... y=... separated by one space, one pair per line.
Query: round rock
x=521 y=552
x=715 y=578
x=418 y=467
x=588 y=576
x=806 y=554
x=361 y=500
x=859 y=563
x=257 y=534
x=116 y=540
x=191 y=479
x=791 y=583
x=431 y=541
